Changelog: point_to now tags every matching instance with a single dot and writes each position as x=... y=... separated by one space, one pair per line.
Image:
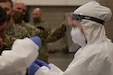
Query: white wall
x=55 y=2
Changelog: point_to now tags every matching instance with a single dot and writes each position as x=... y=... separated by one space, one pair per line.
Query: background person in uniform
x=17 y=17
x=8 y=39
x=19 y=11
x=19 y=29
x=95 y=57
x=14 y=30
x=44 y=32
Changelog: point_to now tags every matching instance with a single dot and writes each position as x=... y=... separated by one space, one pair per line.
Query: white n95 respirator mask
x=78 y=37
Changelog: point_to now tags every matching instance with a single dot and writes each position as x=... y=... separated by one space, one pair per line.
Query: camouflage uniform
x=32 y=30
x=64 y=30
x=17 y=31
x=44 y=30
x=9 y=41
x=57 y=34
x=14 y=32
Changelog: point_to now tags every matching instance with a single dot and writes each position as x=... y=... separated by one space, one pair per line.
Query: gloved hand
x=37 y=41
x=41 y=63
x=33 y=68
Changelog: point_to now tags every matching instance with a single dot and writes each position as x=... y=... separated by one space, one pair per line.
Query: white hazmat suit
x=16 y=60
x=94 y=58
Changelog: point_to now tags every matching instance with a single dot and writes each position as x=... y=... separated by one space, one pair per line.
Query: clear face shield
x=77 y=33
x=72 y=47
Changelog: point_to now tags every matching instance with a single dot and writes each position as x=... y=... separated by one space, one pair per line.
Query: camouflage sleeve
x=33 y=31
x=41 y=31
x=43 y=34
x=17 y=31
x=24 y=34
x=9 y=41
x=57 y=34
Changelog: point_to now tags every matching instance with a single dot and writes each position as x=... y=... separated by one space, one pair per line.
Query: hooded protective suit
x=22 y=54
x=96 y=58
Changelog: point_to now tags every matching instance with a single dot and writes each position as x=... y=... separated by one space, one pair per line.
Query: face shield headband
x=80 y=17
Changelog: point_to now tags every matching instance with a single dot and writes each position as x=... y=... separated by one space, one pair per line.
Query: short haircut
x=7 y=1
x=3 y=16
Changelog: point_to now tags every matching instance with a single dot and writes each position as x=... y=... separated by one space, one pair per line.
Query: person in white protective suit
x=22 y=54
x=95 y=57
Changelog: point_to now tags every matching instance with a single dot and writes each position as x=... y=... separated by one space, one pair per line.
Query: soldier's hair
x=3 y=16
x=7 y=1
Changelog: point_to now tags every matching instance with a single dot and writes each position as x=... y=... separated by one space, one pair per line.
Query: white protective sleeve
x=23 y=53
x=94 y=59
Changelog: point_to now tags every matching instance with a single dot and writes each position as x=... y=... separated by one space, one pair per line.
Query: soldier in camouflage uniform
x=19 y=11
x=32 y=30
x=15 y=30
x=44 y=32
x=12 y=32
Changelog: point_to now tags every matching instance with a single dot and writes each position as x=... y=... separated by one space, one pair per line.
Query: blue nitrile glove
x=33 y=68
x=37 y=41
x=41 y=63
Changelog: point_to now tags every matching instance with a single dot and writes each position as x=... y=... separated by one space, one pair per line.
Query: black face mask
x=8 y=17
x=36 y=19
x=18 y=17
